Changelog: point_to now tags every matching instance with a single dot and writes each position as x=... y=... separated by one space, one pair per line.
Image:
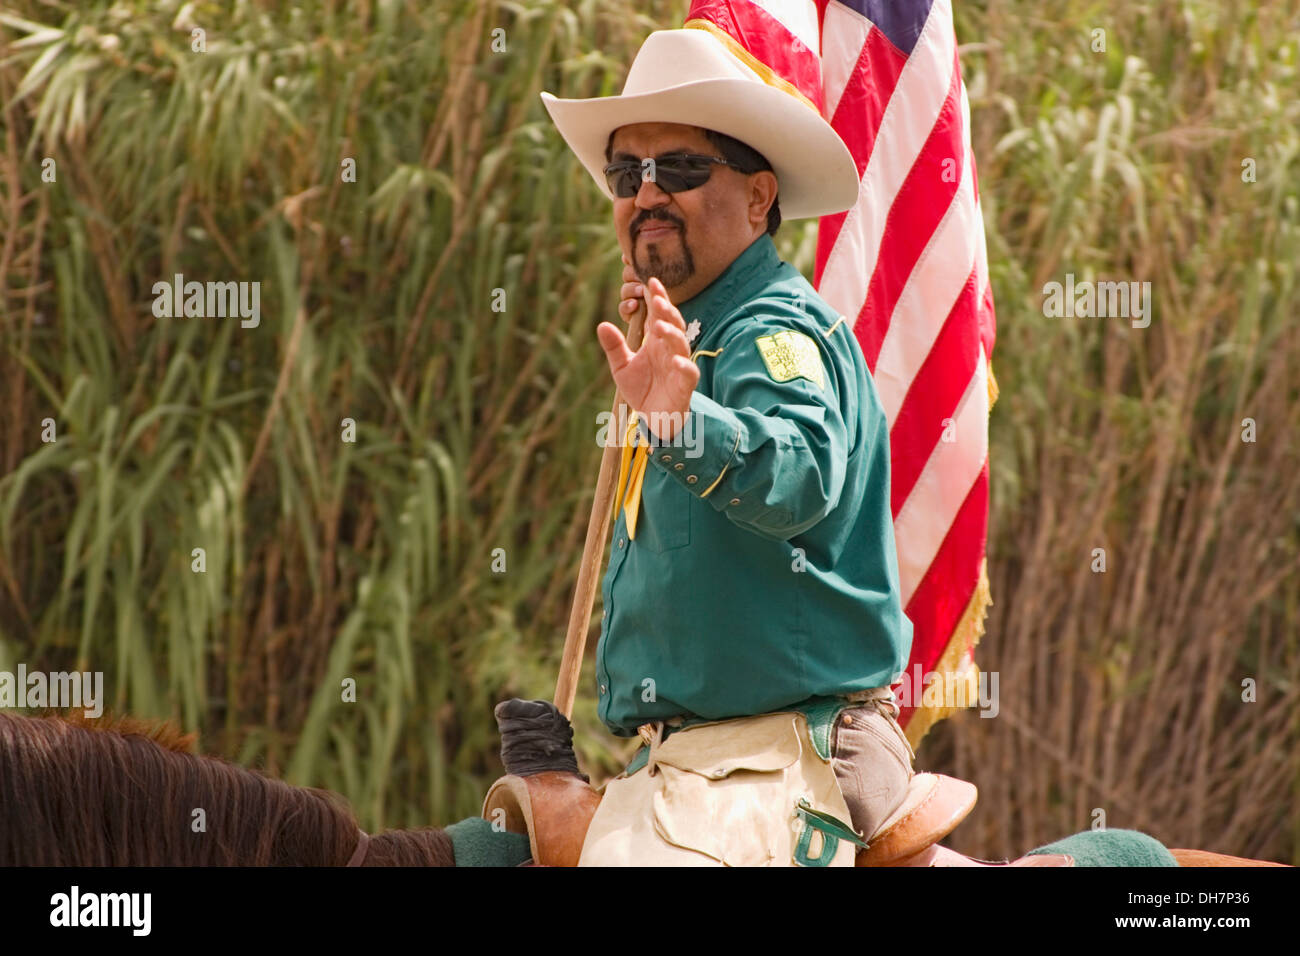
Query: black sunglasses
x=673 y=173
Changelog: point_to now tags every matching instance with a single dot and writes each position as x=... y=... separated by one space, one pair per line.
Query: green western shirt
x=763 y=570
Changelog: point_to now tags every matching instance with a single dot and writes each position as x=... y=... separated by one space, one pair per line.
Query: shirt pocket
x=664 y=523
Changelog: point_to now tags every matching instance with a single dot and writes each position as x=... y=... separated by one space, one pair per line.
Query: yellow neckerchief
x=633 y=462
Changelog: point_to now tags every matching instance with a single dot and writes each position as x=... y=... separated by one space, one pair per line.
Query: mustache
x=637 y=227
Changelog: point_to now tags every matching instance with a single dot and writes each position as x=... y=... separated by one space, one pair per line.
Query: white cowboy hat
x=687 y=76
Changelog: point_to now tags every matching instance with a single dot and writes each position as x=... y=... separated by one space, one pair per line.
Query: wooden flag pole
x=575 y=641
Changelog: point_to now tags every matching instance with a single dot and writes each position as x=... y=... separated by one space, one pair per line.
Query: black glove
x=535 y=737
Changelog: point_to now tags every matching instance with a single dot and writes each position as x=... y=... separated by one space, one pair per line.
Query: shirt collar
x=717 y=298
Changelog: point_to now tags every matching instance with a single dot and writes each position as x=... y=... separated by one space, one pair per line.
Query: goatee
x=666 y=257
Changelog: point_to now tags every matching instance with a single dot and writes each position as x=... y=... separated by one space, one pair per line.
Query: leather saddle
x=555 y=809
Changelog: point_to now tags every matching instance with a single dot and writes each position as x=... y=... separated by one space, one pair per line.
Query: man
x=752 y=566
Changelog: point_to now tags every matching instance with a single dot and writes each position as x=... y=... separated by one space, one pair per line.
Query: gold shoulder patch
x=790 y=354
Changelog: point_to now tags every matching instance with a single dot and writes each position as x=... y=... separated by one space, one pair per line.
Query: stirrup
x=932 y=808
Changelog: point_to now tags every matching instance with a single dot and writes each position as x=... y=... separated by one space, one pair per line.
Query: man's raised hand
x=657 y=380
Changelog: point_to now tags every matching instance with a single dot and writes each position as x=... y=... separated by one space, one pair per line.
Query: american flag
x=907 y=264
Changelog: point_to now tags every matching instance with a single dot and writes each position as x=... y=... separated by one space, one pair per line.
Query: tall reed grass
x=446 y=301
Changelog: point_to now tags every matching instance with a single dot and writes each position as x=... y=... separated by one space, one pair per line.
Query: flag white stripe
x=981 y=249
x=843 y=37
x=797 y=16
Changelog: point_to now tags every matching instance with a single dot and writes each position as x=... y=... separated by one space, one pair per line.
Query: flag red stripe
x=768 y=40
x=862 y=104
x=942 y=596
x=988 y=320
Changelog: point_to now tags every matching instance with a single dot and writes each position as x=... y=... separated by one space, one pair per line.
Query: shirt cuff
x=698 y=456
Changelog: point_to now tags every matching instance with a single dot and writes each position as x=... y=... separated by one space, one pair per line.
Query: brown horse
x=124 y=793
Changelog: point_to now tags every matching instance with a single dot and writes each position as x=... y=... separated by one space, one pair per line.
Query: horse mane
x=162 y=732
x=127 y=792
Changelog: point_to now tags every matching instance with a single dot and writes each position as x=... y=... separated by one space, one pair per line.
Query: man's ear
x=762 y=193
